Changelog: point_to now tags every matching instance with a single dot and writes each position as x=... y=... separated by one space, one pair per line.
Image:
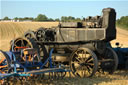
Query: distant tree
x=41 y=17
x=50 y=19
x=28 y=18
x=31 y=18
x=6 y=18
x=78 y=20
x=16 y=18
x=64 y=19
x=123 y=22
x=25 y=18
x=57 y=19
x=20 y=19
x=69 y=19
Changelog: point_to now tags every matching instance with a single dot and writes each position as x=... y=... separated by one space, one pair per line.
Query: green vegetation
x=6 y=18
x=123 y=22
x=25 y=18
x=42 y=17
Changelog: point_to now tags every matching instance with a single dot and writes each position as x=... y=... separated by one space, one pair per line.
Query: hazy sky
x=57 y=8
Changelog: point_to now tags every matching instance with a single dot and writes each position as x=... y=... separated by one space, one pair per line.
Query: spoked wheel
x=109 y=61
x=22 y=43
x=4 y=63
x=26 y=45
x=40 y=34
x=83 y=62
x=30 y=35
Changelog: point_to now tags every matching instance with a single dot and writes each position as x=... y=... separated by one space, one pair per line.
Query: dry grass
x=10 y=30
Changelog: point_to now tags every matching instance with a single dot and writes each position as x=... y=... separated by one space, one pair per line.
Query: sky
x=57 y=8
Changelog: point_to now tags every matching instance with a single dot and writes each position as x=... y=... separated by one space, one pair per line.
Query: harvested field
x=10 y=30
x=121 y=37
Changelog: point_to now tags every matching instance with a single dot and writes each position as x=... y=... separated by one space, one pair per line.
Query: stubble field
x=11 y=30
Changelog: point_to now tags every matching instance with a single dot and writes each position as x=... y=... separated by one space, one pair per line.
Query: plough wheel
x=83 y=62
x=109 y=61
x=30 y=35
x=4 y=63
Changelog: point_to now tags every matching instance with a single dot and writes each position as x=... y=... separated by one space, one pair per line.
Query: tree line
x=42 y=17
x=123 y=22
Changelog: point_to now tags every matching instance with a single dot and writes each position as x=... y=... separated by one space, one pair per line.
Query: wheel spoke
x=88 y=59
x=2 y=60
x=78 y=59
x=15 y=45
x=3 y=66
x=88 y=69
x=90 y=64
x=22 y=43
x=27 y=45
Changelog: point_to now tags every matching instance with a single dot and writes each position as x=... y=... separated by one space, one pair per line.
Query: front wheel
x=83 y=62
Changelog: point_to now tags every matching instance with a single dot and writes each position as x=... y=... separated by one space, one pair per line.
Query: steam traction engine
x=78 y=45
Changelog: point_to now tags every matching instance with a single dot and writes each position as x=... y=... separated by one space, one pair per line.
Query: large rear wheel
x=108 y=61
